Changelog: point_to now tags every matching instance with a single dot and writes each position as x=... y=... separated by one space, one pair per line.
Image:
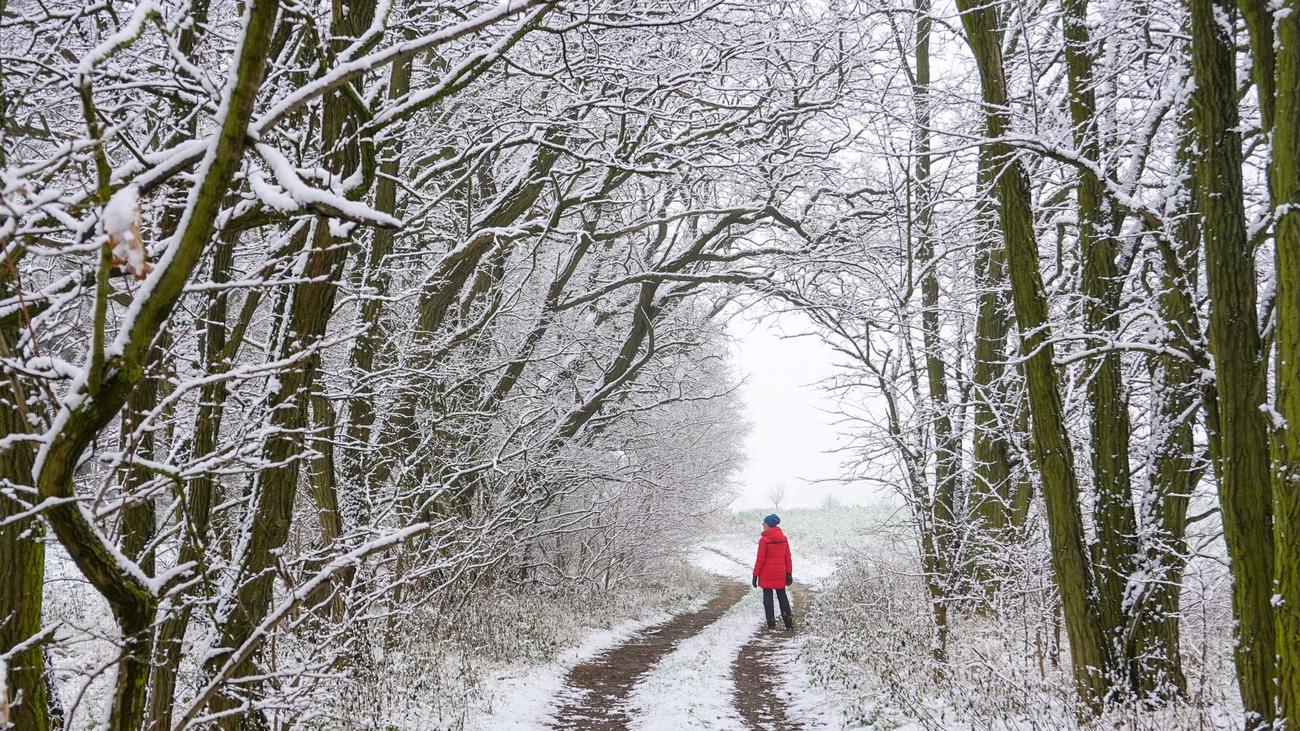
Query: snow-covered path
x=715 y=667
x=599 y=694
x=692 y=688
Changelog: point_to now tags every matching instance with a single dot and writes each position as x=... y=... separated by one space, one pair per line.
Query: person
x=773 y=571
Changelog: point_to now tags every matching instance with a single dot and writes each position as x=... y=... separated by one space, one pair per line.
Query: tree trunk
x=1244 y=489
x=310 y=310
x=22 y=555
x=1259 y=23
x=140 y=519
x=1052 y=451
x=1113 y=516
x=1285 y=176
x=947 y=443
x=1154 y=650
x=1174 y=472
x=991 y=488
x=202 y=491
x=329 y=514
x=361 y=467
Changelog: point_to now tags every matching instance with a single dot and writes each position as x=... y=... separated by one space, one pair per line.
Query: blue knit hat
x=772 y=519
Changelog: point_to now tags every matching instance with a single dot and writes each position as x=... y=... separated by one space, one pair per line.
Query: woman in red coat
x=773 y=570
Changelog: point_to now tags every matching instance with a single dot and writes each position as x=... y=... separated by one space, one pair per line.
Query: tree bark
x=938 y=521
x=140 y=518
x=1113 y=516
x=1285 y=177
x=22 y=556
x=362 y=462
x=1244 y=489
x=310 y=310
x=1052 y=450
x=992 y=493
x=202 y=493
x=1259 y=23
x=1174 y=472
x=947 y=443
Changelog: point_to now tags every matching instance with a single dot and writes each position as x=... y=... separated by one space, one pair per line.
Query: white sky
x=791 y=430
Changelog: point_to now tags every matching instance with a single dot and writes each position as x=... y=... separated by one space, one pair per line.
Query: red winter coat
x=773 y=561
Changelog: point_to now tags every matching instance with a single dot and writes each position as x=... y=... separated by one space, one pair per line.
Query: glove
x=789 y=579
x=755 y=582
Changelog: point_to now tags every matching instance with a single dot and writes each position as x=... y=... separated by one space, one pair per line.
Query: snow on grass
x=723 y=557
x=809 y=705
x=819 y=539
x=864 y=657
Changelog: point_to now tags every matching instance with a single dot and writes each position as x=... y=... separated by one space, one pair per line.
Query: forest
x=350 y=348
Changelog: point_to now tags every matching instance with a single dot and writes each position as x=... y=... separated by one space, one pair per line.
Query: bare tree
x=776 y=494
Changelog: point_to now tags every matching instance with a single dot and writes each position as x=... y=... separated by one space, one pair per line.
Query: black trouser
x=767 y=603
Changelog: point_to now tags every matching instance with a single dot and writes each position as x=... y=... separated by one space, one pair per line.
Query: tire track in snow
x=596 y=691
x=756 y=674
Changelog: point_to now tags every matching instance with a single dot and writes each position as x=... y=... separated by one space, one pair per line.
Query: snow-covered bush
x=869 y=642
x=429 y=670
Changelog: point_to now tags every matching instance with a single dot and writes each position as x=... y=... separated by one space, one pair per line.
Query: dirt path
x=754 y=673
x=603 y=683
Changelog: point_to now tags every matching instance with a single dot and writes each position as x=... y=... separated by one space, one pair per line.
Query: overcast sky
x=791 y=431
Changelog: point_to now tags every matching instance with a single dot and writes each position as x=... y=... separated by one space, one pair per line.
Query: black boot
x=788 y=619
x=771 y=624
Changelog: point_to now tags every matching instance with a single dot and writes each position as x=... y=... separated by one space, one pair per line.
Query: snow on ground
x=523 y=698
x=691 y=688
x=812 y=707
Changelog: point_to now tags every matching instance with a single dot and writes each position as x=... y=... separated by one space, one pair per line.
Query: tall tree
x=941 y=519
x=1113 y=517
x=1285 y=177
x=22 y=548
x=310 y=308
x=947 y=441
x=1239 y=360
x=1175 y=469
x=994 y=495
x=1053 y=453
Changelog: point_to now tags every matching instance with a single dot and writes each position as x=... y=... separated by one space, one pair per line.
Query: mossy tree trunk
x=1234 y=338
x=940 y=545
x=22 y=556
x=993 y=494
x=1113 y=517
x=139 y=517
x=1259 y=24
x=1175 y=470
x=1285 y=178
x=202 y=492
x=1244 y=489
x=311 y=306
x=363 y=467
x=1053 y=453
